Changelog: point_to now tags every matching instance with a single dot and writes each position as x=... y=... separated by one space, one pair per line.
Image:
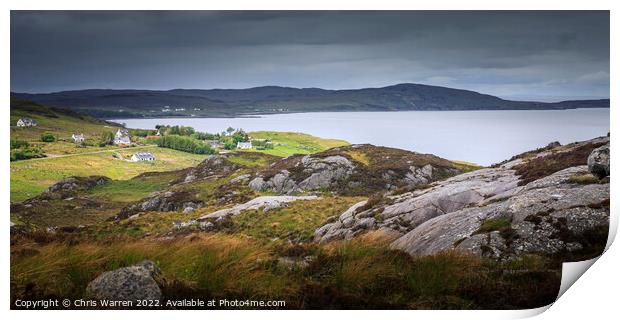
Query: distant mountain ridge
x=108 y=103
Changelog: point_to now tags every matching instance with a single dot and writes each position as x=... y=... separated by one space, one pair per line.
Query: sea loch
x=482 y=137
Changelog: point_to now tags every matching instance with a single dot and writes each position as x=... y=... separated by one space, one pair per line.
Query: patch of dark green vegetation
x=495 y=224
x=26 y=152
x=584 y=179
x=183 y=143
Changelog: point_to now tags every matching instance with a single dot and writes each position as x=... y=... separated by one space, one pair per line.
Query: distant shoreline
x=250 y=116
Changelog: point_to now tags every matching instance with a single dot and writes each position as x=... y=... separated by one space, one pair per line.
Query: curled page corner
x=571 y=271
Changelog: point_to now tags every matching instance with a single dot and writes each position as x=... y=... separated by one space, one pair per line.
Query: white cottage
x=142 y=156
x=78 y=137
x=122 y=137
x=244 y=145
x=26 y=122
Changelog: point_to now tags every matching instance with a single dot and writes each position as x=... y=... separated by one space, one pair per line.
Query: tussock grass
x=219 y=265
x=584 y=179
x=361 y=273
x=359 y=157
x=496 y=224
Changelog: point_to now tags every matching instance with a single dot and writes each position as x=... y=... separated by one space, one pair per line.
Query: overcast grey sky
x=521 y=55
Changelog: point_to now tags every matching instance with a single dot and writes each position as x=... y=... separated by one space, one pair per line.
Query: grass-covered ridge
x=289 y=143
x=31 y=177
x=60 y=123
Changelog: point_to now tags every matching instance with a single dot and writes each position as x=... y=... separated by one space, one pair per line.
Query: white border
x=595 y=294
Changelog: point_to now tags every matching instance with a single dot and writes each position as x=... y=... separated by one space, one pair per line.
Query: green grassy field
x=288 y=143
x=61 y=123
x=31 y=177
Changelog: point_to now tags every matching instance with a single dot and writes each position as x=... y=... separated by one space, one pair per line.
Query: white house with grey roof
x=142 y=156
x=122 y=137
x=244 y=145
x=77 y=137
x=26 y=122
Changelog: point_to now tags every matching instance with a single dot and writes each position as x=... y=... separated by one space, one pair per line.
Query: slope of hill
x=485 y=239
x=273 y=99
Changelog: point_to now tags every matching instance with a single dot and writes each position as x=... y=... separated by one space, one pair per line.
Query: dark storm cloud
x=545 y=55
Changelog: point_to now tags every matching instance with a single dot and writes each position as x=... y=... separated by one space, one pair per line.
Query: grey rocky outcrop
x=487 y=212
x=137 y=282
x=214 y=165
x=404 y=212
x=162 y=201
x=598 y=161
x=317 y=173
x=266 y=202
x=550 y=215
x=354 y=170
x=69 y=186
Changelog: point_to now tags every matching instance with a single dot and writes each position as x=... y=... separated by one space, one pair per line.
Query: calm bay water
x=482 y=137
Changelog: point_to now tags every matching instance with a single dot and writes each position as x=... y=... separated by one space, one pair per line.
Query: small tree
x=48 y=137
x=107 y=138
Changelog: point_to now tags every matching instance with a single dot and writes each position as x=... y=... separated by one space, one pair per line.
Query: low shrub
x=26 y=153
x=48 y=137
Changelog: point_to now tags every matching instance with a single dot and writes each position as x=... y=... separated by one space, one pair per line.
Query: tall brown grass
x=359 y=274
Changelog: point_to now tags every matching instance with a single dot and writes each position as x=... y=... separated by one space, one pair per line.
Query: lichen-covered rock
x=265 y=202
x=132 y=283
x=69 y=186
x=317 y=173
x=162 y=201
x=549 y=216
x=214 y=165
x=598 y=161
x=404 y=212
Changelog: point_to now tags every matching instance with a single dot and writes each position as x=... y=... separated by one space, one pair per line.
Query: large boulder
x=598 y=161
x=137 y=282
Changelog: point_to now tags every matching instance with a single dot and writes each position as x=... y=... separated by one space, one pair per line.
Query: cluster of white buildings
x=122 y=137
x=78 y=137
x=26 y=122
